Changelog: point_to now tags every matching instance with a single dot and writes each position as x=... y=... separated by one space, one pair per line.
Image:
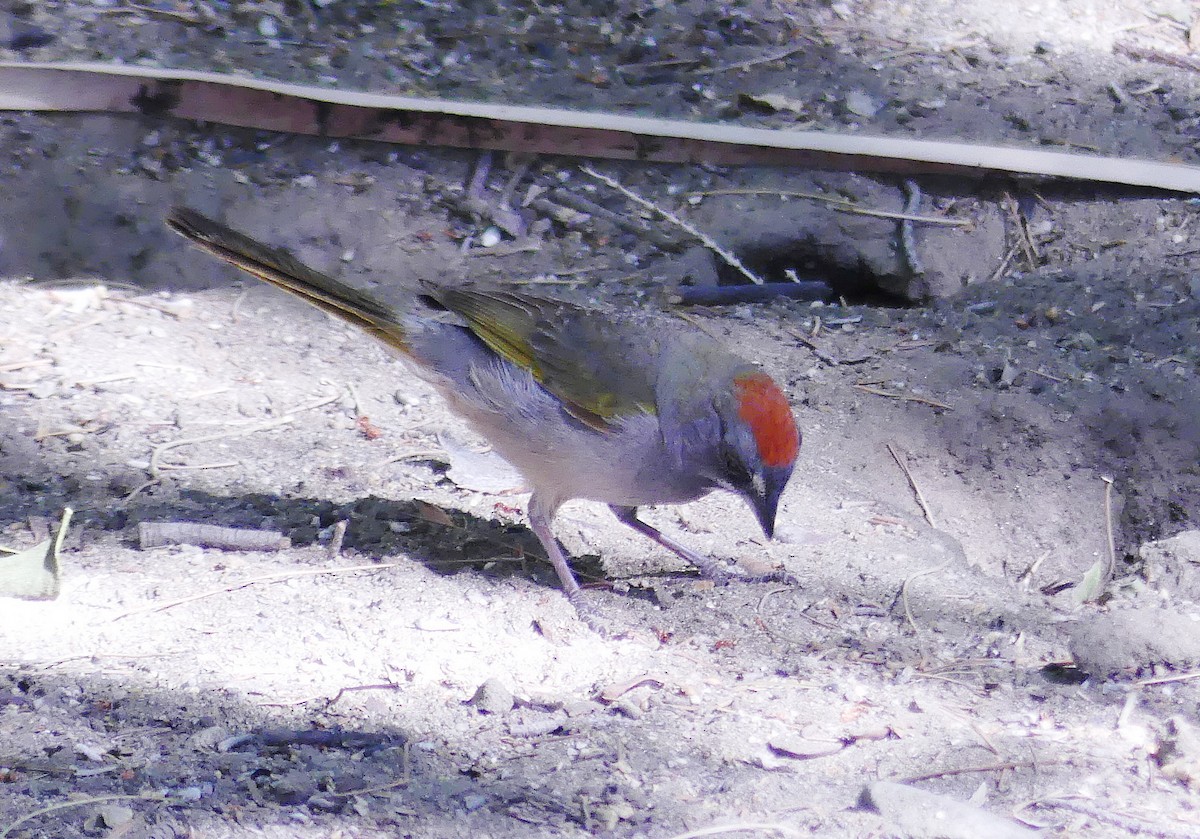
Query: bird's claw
x=589 y=613
x=720 y=573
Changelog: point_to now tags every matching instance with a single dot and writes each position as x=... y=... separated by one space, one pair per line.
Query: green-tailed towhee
x=623 y=408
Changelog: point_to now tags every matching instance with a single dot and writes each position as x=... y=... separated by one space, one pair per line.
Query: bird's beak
x=766 y=502
x=765 y=508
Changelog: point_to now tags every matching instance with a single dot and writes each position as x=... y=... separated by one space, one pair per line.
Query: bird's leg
x=708 y=566
x=540 y=515
x=539 y=522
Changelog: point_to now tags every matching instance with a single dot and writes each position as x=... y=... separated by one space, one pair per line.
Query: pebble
x=114 y=815
x=493 y=697
x=490 y=237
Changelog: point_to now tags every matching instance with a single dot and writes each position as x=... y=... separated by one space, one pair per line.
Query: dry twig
x=912 y=482
x=80 y=802
x=843 y=205
x=704 y=238
x=157 y=467
x=990 y=767
x=1162 y=680
x=903 y=397
x=1144 y=53
x=751 y=62
x=908 y=615
x=158 y=534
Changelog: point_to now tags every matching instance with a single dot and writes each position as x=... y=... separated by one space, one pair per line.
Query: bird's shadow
x=444 y=539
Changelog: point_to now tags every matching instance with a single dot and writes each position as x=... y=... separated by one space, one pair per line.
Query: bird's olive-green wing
x=595 y=364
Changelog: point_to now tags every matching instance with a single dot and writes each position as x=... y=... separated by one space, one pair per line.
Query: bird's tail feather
x=282 y=270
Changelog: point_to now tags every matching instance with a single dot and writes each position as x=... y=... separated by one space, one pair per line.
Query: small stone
x=861 y=104
x=188 y=793
x=290 y=788
x=90 y=751
x=493 y=697
x=326 y=804
x=114 y=815
x=490 y=237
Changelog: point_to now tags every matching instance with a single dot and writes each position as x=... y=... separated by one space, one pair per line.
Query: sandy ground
x=962 y=456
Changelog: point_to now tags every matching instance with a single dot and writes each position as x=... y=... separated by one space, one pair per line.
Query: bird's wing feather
x=592 y=363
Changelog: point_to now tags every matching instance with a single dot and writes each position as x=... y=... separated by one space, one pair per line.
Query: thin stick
x=991 y=767
x=147 y=304
x=150 y=11
x=817 y=350
x=940 y=678
x=1049 y=376
x=1004 y=263
x=912 y=482
x=580 y=204
x=405 y=777
x=704 y=238
x=904 y=397
x=1143 y=53
x=157 y=467
x=751 y=62
x=843 y=206
x=726 y=295
x=908 y=615
x=329 y=702
x=1162 y=680
x=184 y=467
x=266 y=578
x=80 y=802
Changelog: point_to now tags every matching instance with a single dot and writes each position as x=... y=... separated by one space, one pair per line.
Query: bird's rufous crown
x=764 y=408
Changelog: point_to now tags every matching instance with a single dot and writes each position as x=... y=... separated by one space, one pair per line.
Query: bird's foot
x=590 y=612
x=721 y=573
x=709 y=567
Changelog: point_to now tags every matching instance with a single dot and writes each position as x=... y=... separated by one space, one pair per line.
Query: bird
x=623 y=407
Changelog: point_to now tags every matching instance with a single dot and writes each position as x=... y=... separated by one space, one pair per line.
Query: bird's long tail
x=282 y=270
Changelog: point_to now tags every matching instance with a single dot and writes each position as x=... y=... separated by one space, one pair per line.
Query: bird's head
x=759 y=443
